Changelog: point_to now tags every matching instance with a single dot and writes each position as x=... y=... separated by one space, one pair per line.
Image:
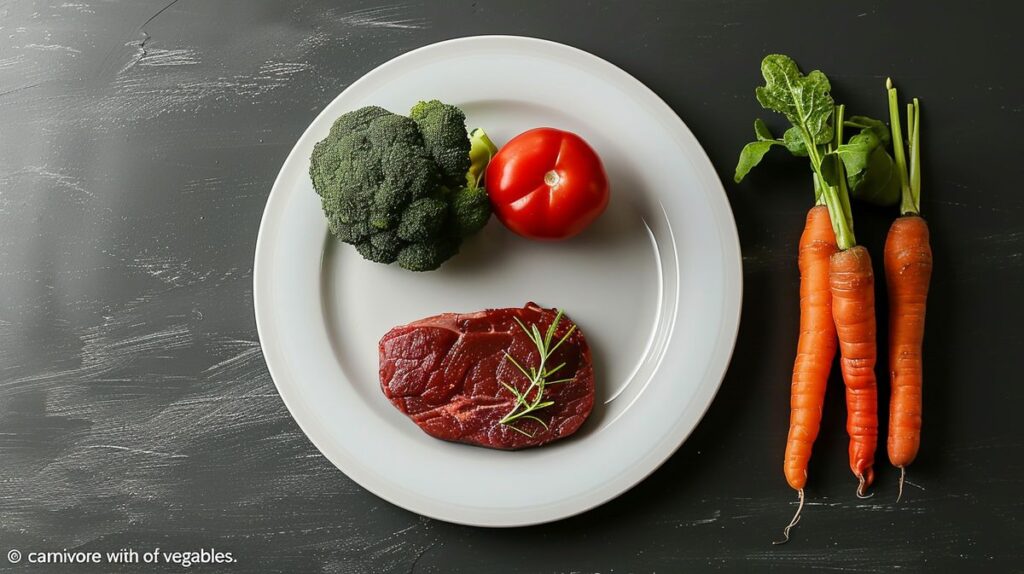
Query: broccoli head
x=381 y=180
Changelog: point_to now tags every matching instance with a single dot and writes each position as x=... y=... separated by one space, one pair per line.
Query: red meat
x=445 y=373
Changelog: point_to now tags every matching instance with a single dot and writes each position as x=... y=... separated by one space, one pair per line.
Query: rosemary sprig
x=539 y=376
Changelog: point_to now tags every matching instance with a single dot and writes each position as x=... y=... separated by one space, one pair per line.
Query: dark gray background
x=139 y=141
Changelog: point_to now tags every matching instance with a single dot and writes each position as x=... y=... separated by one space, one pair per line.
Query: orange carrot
x=853 y=308
x=908 y=270
x=816 y=346
x=852 y=282
x=815 y=350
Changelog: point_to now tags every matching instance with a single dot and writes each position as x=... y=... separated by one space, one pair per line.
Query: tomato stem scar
x=552 y=178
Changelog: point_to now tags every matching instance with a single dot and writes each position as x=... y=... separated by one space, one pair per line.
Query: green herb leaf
x=537 y=376
x=870 y=171
x=751 y=155
x=855 y=154
x=804 y=100
x=871 y=125
x=794 y=142
x=520 y=431
x=542 y=423
x=878 y=181
x=762 y=132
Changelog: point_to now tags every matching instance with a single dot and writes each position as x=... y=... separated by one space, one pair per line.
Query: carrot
x=908 y=270
x=815 y=350
x=853 y=308
x=816 y=346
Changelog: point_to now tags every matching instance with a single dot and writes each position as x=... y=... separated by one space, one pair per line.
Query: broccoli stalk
x=470 y=205
x=481 y=150
x=403 y=189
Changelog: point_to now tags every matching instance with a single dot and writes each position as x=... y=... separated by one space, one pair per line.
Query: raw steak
x=444 y=372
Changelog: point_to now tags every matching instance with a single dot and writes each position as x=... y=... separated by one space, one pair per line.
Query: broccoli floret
x=381 y=247
x=444 y=133
x=469 y=209
x=356 y=121
x=408 y=175
x=427 y=256
x=381 y=184
x=423 y=220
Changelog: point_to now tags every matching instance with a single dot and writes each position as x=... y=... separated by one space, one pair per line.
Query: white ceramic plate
x=655 y=284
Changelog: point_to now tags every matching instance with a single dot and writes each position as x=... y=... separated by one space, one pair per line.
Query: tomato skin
x=547 y=183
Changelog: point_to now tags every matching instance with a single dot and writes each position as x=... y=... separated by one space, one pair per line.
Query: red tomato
x=547 y=184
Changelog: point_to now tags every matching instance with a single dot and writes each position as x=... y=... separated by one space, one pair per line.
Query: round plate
x=655 y=284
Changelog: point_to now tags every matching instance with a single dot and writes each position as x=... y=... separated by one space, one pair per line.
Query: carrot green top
x=816 y=132
x=910 y=179
x=860 y=167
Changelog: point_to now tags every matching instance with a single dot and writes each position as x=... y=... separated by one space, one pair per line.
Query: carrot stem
x=842 y=223
x=843 y=192
x=836 y=198
x=837 y=212
x=908 y=202
x=915 y=157
x=819 y=185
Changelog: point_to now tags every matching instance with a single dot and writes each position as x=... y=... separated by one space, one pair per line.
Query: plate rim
x=727 y=232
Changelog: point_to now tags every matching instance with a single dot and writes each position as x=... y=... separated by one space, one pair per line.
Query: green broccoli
x=469 y=210
x=402 y=188
x=423 y=220
x=444 y=135
x=427 y=256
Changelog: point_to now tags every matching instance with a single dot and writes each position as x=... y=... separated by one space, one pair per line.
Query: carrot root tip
x=861 y=487
x=794 y=521
x=903 y=477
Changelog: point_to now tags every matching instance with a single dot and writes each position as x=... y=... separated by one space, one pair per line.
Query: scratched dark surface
x=139 y=141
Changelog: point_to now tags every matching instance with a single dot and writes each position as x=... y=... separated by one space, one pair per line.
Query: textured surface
x=138 y=143
x=446 y=373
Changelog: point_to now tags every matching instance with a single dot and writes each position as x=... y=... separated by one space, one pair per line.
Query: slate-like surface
x=138 y=143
